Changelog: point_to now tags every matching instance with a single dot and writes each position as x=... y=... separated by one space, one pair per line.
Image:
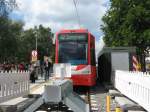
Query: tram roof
x=74 y=31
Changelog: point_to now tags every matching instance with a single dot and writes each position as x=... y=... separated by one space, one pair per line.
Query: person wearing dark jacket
x=32 y=73
x=47 y=66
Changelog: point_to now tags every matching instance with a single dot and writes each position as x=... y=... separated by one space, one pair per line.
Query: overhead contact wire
x=76 y=9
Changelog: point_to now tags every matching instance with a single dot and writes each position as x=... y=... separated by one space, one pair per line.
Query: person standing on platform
x=47 y=66
x=41 y=68
x=32 y=73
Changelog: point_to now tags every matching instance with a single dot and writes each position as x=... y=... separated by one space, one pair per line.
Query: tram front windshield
x=73 y=48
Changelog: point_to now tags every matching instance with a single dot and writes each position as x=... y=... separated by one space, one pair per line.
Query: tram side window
x=93 y=57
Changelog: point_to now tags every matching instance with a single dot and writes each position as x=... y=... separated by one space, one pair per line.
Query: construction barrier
x=134 y=85
x=136 y=64
x=108 y=99
x=13 y=84
x=118 y=109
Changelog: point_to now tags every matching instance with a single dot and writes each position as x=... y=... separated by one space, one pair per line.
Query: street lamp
x=36 y=35
x=36 y=42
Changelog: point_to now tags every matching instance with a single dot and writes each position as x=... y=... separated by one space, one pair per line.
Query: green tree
x=45 y=46
x=16 y=44
x=9 y=35
x=127 y=23
x=8 y=30
x=28 y=43
x=6 y=6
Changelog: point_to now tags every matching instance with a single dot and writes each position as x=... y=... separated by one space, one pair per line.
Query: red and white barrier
x=135 y=63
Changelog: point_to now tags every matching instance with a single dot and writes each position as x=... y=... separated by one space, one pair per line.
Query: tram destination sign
x=72 y=37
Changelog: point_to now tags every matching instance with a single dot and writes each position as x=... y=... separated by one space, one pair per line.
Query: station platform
x=35 y=100
x=38 y=86
x=20 y=103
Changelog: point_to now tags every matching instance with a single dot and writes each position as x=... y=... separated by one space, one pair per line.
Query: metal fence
x=135 y=85
x=13 y=84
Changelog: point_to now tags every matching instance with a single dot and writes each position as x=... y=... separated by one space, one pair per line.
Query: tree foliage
x=9 y=34
x=127 y=23
x=16 y=43
x=6 y=6
x=28 y=42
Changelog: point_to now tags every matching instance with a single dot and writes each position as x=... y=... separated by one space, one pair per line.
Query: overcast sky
x=60 y=14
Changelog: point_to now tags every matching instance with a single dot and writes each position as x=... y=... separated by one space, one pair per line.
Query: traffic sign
x=34 y=55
